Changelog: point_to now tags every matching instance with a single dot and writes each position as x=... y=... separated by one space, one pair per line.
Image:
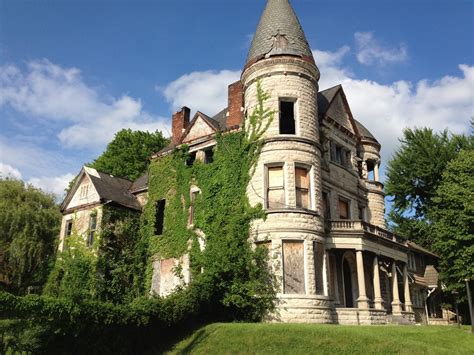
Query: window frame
x=268 y=188
x=348 y=201
x=92 y=229
x=68 y=228
x=308 y=169
x=294 y=101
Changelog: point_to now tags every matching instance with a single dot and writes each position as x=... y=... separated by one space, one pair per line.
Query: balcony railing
x=343 y=225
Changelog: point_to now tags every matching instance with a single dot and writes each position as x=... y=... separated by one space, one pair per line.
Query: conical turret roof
x=279 y=32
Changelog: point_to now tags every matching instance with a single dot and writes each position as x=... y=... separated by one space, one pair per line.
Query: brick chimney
x=180 y=122
x=235 y=104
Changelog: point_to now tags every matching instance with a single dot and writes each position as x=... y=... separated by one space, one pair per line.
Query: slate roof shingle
x=278 y=18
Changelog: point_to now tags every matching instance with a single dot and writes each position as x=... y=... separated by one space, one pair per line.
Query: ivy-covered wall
x=229 y=264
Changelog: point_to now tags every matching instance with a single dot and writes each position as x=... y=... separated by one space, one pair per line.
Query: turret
x=287 y=179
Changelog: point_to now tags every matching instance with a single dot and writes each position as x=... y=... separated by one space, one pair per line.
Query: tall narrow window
x=343 y=209
x=191 y=206
x=208 y=156
x=362 y=213
x=326 y=206
x=287 y=117
x=293 y=267
x=302 y=187
x=68 y=230
x=159 y=216
x=318 y=250
x=275 y=187
x=92 y=229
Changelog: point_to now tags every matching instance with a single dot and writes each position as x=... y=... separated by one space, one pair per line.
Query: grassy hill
x=241 y=338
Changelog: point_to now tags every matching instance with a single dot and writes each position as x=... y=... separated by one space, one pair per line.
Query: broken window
x=159 y=216
x=370 y=170
x=344 y=209
x=208 y=156
x=293 y=267
x=340 y=155
x=302 y=187
x=275 y=187
x=191 y=158
x=287 y=117
x=92 y=229
x=68 y=230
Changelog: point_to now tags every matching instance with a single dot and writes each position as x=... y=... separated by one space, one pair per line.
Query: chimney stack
x=235 y=104
x=180 y=122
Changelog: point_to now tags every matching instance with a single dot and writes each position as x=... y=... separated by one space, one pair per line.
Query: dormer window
x=287 y=116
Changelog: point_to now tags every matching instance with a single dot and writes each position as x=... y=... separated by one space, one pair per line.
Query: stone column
x=362 y=301
x=378 y=300
x=376 y=171
x=406 y=285
x=396 y=306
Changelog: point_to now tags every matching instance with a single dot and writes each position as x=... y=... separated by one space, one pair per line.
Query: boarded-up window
x=159 y=216
x=287 y=117
x=343 y=209
x=276 y=188
x=319 y=267
x=293 y=267
x=302 y=187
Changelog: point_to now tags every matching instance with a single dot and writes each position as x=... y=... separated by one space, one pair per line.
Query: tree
x=128 y=155
x=413 y=175
x=453 y=221
x=29 y=225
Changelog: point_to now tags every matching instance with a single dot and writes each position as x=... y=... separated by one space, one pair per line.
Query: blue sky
x=72 y=73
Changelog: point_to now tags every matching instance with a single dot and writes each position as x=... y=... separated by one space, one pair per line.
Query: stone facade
x=318 y=180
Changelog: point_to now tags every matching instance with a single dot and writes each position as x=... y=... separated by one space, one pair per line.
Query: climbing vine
x=228 y=264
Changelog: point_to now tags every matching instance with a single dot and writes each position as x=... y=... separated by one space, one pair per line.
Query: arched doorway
x=349 y=278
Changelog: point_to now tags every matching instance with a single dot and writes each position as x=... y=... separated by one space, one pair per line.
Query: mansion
x=317 y=178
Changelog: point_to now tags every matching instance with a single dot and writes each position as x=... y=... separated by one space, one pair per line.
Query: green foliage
x=236 y=274
x=62 y=326
x=29 y=225
x=453 y=221
x=128 y=155
x=414 y=173
x=109 y=270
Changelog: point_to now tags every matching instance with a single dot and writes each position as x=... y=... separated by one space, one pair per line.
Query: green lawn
x=241 y=338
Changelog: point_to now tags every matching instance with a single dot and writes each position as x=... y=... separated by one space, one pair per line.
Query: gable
x=84 y=194
x=338 y=112
x=199 y=128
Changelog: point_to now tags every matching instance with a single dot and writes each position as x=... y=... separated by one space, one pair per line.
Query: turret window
x=275 y=187
x=302 y=187
x=287 y=117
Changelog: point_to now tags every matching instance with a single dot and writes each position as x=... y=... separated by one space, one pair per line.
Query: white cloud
x=330 y=66
x=8 y=171
x=202 y=91
x=59 y=94
x=55 y=185
x=369 y=51
x=387 y=109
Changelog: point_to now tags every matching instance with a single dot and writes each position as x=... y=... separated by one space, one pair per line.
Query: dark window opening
x=326 y=206
x=347 y=284
x=191 y=158
x=159 y=216
x=68 y=228
x=208 y=156
x=287 y=117
x=370 y=170
x=362 y=213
